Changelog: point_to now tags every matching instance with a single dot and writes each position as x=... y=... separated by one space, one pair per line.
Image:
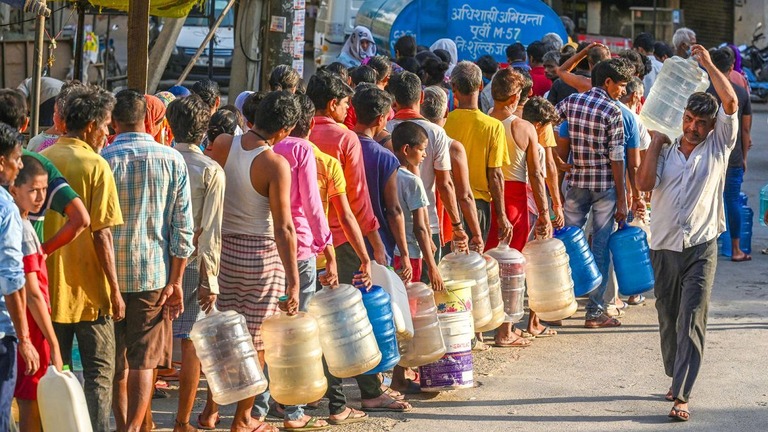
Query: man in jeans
x=723 y=60
x=85 y=293
x=151 y=251
x=596 y=185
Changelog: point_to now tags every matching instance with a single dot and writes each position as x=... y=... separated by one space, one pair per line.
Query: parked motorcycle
x=754 y=63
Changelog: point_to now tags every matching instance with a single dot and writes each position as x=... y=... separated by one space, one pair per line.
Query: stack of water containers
x=677 y=81
x=470 y=266
x=631 y=260
x=464 y=305
x=550 y=286
x=227 y=356
x=586 y=276
x=512 y=275
x=427 y=344
x=295 y=359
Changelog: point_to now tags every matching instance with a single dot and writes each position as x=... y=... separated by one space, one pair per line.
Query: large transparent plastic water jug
x=550 y=286
x=294 y=357
x=62 y=402
x=470 y=266
x=586 y=276
x=427 y=344
x=227 y=356
x=494 y=294
x=346 y=334
x=378 y=304
x=512 y=274
x=663 y=109
x=631 y=260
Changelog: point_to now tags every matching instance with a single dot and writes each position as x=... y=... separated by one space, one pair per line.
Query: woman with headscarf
x=153 y=121
x=359 y=46
x=450 y=46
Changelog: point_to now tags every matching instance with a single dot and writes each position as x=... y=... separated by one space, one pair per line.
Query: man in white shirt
x=687 y=177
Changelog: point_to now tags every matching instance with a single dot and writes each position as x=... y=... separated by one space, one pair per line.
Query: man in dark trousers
x=687 y=176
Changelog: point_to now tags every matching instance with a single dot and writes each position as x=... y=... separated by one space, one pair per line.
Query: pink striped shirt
x=312 y=231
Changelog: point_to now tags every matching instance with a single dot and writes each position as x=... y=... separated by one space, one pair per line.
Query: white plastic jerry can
x=394 y=286
x=62 y=402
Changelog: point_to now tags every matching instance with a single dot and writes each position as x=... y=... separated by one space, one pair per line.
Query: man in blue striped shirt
x=151 y=251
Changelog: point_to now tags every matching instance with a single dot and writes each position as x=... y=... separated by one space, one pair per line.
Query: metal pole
x=106 y=57
x=211 y=14
x=37 y=69
x=79 y=42
x=654 y=19
x=207 y=39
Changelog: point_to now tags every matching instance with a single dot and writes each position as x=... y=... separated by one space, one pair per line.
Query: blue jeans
x=734 y=176
x=7 y=379
x=578 y=204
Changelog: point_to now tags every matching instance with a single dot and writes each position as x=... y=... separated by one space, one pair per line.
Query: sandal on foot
x=387 y=406
x=394 y=394
x=353 y=417
x=602 y=321
x=635 y=300
x=310 y=425
x=679 y=414
x=264 y=427
x=520 y=342
x=544 y=333
x=746 y=257
x=203 y=426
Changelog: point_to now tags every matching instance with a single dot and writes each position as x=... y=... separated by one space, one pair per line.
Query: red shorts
x=26 y=385
x=415 y=265
x=516 y=208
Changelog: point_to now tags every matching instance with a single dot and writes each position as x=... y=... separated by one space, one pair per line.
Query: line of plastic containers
x=370 y=331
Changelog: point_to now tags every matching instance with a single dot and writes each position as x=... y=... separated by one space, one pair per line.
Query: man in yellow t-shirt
x=85 y=295
x=484 y=140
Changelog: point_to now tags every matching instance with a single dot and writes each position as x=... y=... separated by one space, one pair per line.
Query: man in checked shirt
x=596 y=184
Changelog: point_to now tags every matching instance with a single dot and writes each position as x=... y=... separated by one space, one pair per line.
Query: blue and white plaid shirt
x=596 y=130
x=152 y=183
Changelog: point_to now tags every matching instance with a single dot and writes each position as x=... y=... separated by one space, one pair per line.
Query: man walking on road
x=687 y=179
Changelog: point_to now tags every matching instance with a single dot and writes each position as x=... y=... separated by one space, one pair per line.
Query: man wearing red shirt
x=541 y=84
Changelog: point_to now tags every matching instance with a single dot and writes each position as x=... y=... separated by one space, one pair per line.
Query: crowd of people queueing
x=133 y=215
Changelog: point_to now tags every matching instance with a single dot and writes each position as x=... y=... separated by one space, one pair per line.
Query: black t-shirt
x=745 y=108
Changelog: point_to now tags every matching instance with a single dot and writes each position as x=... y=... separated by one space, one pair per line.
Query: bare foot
x=183 y=427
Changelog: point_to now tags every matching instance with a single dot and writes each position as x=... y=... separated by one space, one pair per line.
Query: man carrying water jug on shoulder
x=687 y=179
